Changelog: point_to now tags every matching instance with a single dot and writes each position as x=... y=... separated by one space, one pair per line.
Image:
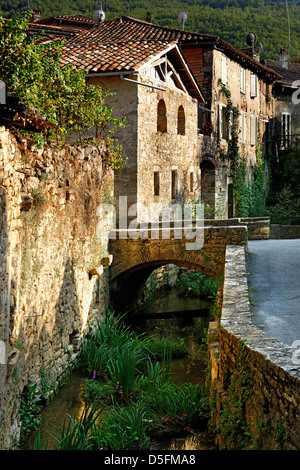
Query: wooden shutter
x=224 y=70
x=253 y=130
x=243 y=80
x=243 y=128
x=253 y=86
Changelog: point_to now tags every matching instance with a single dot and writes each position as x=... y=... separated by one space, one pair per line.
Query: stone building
x=152 y=85
x=287 y=100
x=213 y=63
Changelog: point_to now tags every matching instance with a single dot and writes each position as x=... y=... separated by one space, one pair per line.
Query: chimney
x=283 y=59
x=36 y=15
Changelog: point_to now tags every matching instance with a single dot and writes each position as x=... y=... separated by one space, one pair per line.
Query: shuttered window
x=253 y=86
x=243 y=128
x=286 y=129
x=243 y=80
x=222 y=122
x=253 y=130
x=224 y=70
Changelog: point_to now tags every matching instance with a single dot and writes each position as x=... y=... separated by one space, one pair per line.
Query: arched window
x=161 y=117
x=181 y=121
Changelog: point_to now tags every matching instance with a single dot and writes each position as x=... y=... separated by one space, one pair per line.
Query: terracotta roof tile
x=109 y=57
x=288 y=75
x=126 y=29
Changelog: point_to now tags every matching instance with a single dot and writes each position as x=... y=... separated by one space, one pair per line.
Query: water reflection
x=68 y=402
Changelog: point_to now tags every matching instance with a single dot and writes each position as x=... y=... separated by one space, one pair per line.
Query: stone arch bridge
x=136 y=253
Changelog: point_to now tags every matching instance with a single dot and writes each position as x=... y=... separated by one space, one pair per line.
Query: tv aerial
x=182 y=17
x=99 y=15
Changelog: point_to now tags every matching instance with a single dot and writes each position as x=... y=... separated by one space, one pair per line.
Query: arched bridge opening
x=128 y=288
x=134 y=259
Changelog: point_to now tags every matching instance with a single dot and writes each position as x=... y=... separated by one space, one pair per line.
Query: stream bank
x=175 y=325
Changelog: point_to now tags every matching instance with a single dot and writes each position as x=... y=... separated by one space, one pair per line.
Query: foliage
x=33 y=72
x=286 y=211
x=159 y=348
x=230 y=19
x=196 y=284
x=283 y=201
x=249 y=196
x=231 y=425
x=29 y=409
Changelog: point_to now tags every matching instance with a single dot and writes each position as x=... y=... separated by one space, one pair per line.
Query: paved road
x=274 y=282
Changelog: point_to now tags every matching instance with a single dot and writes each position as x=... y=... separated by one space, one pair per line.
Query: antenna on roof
x=182 y=17
x=99 y=15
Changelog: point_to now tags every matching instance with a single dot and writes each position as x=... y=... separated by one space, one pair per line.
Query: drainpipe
x=140 y=83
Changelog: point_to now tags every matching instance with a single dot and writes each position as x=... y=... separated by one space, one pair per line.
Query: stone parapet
x=273 y=371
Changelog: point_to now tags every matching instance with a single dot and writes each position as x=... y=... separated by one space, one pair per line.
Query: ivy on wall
x=249 y=196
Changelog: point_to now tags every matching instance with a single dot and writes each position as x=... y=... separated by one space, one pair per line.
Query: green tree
x=33 y=72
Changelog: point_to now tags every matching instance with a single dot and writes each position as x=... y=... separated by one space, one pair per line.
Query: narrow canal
x=171 y=316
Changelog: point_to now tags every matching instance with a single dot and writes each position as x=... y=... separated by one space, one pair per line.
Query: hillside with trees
x=230 y=19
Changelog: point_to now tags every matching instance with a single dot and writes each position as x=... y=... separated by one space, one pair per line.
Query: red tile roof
x=288 y=75
x=73 y=18
x=112 y=57
x=126 y=29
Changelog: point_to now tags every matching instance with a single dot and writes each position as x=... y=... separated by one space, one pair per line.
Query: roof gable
x=127 y=57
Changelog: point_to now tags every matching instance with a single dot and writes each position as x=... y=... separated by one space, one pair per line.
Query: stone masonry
x=274 y=374
x=50 y=245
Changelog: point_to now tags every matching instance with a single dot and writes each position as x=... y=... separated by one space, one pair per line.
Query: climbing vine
x=231 y=423
x=249 y=195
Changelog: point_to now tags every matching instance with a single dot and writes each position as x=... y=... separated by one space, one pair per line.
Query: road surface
x=274 y=281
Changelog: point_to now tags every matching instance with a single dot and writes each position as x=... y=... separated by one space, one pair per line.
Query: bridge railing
x=257 y=228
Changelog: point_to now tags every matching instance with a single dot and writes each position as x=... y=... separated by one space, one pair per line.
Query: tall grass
x=135 y=393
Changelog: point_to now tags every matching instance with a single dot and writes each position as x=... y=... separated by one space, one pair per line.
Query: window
x=243 y=80
x=222 y=122
x=243 y=128
x=181 y=121
x=156 y=183
x=191 y=182
x=224 y=70
x=161 y=117
x=286 y=129
x=253 y=85
x=253 y=130
x=174 y=184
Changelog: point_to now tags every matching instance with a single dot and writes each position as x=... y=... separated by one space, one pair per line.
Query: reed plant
x=125 y=428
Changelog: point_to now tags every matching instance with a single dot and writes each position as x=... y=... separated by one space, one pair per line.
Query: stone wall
x=148 y=150
x=252 y=373
x=51 y=240
x=284 y=231
x=164 y=152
